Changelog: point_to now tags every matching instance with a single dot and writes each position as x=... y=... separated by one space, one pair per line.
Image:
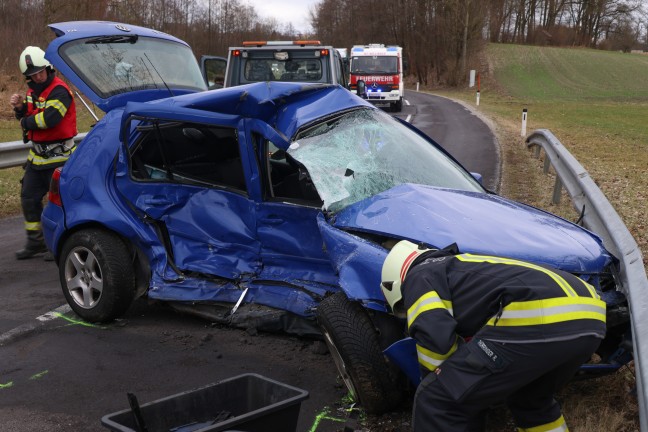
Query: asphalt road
x=59 y=374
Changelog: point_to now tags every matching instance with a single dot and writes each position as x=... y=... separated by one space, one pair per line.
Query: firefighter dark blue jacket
x=451 y=296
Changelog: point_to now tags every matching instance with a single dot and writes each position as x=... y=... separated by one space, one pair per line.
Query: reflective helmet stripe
x=406 y=264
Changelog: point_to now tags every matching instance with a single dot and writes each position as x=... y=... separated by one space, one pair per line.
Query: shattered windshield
x=364 y=152
x=112 y=65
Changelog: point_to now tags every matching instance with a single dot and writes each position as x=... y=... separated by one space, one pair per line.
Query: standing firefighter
x=528 y=329
x=47 y=116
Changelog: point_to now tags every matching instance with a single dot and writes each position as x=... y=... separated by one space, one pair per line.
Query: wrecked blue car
x=271 y=205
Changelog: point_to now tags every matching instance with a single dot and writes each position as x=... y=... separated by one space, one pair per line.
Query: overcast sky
x=284 y=11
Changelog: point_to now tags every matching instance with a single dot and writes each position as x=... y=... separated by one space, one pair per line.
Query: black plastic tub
x=248 y=403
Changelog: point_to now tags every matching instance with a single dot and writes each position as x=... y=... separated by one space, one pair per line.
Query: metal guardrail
x=14 y=153
x=599 y=216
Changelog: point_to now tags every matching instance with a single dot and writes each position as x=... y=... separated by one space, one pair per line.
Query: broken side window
x=188 y=153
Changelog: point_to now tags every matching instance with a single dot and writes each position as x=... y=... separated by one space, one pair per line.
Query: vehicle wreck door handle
x=158 y=201
x=272 y=220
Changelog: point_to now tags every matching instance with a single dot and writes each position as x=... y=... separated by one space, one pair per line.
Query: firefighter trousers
x=35 y=184
x=483 y=373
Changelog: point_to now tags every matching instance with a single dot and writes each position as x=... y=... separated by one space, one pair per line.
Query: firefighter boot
x=34 y=246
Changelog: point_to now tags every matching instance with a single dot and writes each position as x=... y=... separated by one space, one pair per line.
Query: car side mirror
x=361 y=89
x=477 y=177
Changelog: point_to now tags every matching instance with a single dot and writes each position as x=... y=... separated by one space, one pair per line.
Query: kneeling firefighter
x=47 y=116
x=490 y=330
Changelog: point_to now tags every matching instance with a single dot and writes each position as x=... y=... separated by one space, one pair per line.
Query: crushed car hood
x=478 y=223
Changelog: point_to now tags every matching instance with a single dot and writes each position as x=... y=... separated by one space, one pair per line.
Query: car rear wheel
x=352 y=340
x=97 y=275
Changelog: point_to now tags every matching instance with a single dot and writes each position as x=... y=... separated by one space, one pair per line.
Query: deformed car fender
x=358 y=263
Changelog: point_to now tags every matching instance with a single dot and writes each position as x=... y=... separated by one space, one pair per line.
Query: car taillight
x=54 y=195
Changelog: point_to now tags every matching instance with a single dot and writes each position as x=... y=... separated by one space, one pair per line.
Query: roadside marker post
x=524 y=122
x=417 y=86
x=478 y=88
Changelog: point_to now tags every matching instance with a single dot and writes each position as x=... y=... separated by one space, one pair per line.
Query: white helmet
x=394 y=270
x=32 y=60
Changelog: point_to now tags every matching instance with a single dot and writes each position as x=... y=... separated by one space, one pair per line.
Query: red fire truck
x=380 y=67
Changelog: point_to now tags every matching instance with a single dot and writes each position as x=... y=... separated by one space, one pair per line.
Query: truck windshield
x=364 y=152
x=294 y=69
x=374 y=64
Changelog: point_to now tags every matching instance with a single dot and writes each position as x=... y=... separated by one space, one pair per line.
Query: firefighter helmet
x=32 y=60
x=394 y=270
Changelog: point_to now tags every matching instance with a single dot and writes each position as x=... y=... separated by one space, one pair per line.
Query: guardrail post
x=547 y=162
x=555 y=199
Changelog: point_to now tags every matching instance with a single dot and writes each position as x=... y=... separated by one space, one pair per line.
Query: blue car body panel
x=478 y=223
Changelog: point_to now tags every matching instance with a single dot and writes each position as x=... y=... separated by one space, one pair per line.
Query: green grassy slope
x=569 y=74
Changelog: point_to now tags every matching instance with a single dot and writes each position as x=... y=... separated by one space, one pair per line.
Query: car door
x=213 y=69
x=188 y=180
x=291 y=244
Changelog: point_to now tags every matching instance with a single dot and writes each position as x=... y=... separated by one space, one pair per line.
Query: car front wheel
x=97 y=275
x=353 y=343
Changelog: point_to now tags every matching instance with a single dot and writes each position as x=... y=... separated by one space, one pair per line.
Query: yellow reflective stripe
x=39 y=160
x=550 y=311
x=57 y=105
x=591 y=289
x=555 y=426
x=432 y=360
x=427 y=302
x=40 y=120
x=32 y=226
x=507 y=261
x=29 y=99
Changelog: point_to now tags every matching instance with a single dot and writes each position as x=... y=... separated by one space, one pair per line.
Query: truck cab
x=290 y=61
x=376 y=71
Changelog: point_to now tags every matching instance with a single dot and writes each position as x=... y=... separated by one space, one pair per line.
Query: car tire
x=97 y=275
x=353 y=343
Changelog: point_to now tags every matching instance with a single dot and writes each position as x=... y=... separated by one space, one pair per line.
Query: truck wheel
x=353 y=342
x=97 y=275
x=397 y=106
